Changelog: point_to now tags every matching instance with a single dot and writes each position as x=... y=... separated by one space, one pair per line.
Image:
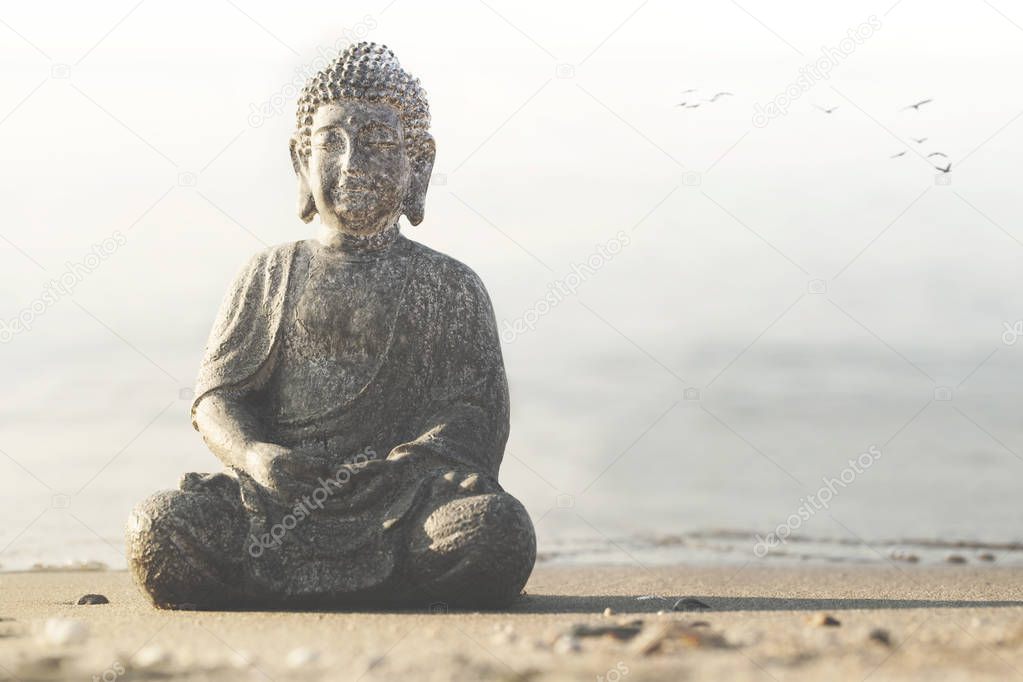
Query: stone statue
x=353 y=388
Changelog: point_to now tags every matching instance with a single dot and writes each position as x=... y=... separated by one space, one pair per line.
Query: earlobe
x=306 y=203
x=419 y=182
x=415 y=203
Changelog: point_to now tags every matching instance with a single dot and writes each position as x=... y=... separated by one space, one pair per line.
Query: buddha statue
x=353 y=389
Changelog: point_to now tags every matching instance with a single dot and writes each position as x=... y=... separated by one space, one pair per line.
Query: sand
x=944 y=622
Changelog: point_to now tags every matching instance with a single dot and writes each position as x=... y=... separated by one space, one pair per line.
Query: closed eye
x=380 y=136
x=330 y=140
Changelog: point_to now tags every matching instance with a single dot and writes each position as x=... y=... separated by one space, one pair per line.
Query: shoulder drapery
x=247 y=324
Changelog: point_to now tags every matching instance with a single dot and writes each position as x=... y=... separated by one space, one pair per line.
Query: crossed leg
x=186 y=548
x=475 y=551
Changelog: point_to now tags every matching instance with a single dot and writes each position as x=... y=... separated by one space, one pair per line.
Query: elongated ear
x=419 y=182
x=306 y=204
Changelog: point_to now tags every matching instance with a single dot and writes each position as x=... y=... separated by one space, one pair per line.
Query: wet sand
x=895 y=623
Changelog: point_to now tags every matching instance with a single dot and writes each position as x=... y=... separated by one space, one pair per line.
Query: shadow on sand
x=551 y=603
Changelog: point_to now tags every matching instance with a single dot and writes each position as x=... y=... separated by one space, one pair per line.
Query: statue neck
x=369 y=247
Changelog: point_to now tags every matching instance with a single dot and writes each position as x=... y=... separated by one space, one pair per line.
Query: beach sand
x=947 y=622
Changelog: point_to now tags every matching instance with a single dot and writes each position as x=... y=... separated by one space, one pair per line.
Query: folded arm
x=228 y=426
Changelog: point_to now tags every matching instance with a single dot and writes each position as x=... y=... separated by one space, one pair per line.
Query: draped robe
x=436 y=400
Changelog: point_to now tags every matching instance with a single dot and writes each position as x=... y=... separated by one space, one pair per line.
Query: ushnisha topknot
x=369 y=72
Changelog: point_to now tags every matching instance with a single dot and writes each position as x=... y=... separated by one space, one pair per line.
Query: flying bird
x=895 y=156
x=937 y=154
x=828 y=110
x=918 y=104
x=719 y=95
x=946 y=169
x=919 y=140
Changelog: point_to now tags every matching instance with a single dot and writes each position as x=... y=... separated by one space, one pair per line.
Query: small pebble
x=673 y=636
x=608 y=612
x=63 y=631
x=503 y=637
x=301 y=657
x=151 y=657
x=986 y=556
x=955 y=559
x=504 y=634
x=902 y=555
x=92 y=599
x=620 y=630
x=42 y=668
x=823 y=620
x=689 y=604
x=567 y=645
x=881 y=636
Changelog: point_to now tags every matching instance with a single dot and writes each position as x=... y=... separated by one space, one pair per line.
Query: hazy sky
x=815 y=291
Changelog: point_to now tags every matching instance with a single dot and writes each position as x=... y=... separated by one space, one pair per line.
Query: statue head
x=362 y=148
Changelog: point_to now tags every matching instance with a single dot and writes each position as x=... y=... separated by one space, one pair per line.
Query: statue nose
x=356 y=158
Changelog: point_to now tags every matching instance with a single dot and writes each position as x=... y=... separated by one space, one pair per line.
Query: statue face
x=358 y=170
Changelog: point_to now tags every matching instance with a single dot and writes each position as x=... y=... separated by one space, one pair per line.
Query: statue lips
x=358 y=200
x=360 y=192
x=352 y=202
x=352 y=190
x=363 y=183
x=355 y=186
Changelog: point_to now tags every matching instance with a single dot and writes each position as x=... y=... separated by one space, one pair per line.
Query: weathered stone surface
x=354 y=389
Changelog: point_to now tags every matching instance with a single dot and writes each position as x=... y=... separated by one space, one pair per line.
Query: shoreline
x=708 y=547
x=947 y=621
